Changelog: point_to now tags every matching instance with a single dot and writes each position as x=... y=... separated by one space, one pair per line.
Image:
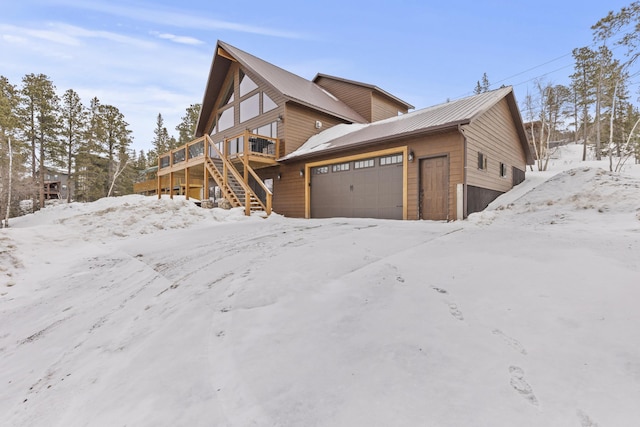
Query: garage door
x=367 y=188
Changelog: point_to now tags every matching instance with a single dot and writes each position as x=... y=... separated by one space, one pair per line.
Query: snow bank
x=146 y=312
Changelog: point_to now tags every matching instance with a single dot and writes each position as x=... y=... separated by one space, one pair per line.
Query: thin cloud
x=15 y=33
x=178 y=39
x=176 y=18
x=65 y=34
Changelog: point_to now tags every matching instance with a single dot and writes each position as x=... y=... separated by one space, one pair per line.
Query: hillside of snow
x=144 y=312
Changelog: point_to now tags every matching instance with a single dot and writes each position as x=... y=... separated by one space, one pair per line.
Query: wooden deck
x=231 y=163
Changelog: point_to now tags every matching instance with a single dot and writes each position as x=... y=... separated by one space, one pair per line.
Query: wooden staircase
x=233 y=187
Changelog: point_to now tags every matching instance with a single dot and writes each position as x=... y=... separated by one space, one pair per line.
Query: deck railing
x=236 y=146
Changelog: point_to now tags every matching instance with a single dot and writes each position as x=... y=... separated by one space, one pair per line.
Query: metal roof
x=438 y=117
x=291 y=86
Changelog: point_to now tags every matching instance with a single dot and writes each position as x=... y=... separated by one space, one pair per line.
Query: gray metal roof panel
x=431 y=118
x=293 y=86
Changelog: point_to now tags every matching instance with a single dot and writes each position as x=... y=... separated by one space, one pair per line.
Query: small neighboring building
x=332 y=147
x=56 y=184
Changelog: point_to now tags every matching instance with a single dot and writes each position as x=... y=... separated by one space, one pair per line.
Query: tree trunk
x=6 y=219
x=597 y=119
x=69 y=172
x=613 y=109
x=41 y=172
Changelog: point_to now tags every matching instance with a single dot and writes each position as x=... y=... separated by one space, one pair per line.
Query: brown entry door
x=434 y=188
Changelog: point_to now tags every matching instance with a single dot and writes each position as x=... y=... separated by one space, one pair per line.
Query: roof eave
x=358 y=119
x=425 y=131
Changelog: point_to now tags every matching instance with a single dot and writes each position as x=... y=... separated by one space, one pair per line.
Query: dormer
x=368 y=100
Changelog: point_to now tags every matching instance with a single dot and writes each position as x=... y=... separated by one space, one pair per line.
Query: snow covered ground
x=134 y=311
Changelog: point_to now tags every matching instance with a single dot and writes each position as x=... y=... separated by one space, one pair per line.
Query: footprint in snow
x=511 y=342
x=455 y=312
x=521 y=386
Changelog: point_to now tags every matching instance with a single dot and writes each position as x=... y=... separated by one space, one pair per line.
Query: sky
x=137 y=311
x=150 y=57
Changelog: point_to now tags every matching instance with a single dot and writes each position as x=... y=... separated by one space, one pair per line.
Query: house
x=56 y=184
x=267 y=139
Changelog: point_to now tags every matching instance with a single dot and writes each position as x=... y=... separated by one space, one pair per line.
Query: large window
x=246 y=84
x=250 y=108
x=226 y=119
x=250 y=103
x=228 y=95
x=270 y=130
x=267 y=103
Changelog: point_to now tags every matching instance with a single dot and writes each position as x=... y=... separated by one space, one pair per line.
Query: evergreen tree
x=117 y=138
x=74 y=121
x=583 y=79
x=11 y=160
x=40 y=122
x=160 y=143
x=90 y=176
x=624 y=23
x=187 y=127
x=482 y=85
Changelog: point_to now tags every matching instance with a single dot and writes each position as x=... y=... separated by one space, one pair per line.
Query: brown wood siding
x=494 y=135
x=288 y=191
x=290 y=195
x=300 y=125
x=356 y=97
x=384 y=108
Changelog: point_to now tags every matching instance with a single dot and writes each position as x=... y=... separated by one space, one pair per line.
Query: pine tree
x=187 y=127
x=74 y=122
x=40 y=122
x=11 y=150
x=160 y=143
x=482 y=85
x=583 y=79
x=117 y=138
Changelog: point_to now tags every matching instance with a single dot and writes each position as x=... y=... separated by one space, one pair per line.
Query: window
x=482 y=161
x=361 y=164
x=213 y=127
x=270 y=130
x=226 y=120
x=321 y=170
x=503 y=170
x=267 y=103
x=250 y=108
x=228 y=95
x=246 y=84
x=391 y=160
x=269 y=184
x=340 y=167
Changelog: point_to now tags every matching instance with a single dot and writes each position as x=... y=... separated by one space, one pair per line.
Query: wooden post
x=205 y=178
x=245 y=160
x=187 y=186
x=171 y=185
x=225 y=154
x=158 y=180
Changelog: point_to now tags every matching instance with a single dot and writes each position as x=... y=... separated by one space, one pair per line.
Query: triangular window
x=246 y=84
x=228 y=95
x=267 y=103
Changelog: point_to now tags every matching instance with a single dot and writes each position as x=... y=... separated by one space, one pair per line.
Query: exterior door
x=434 y=188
